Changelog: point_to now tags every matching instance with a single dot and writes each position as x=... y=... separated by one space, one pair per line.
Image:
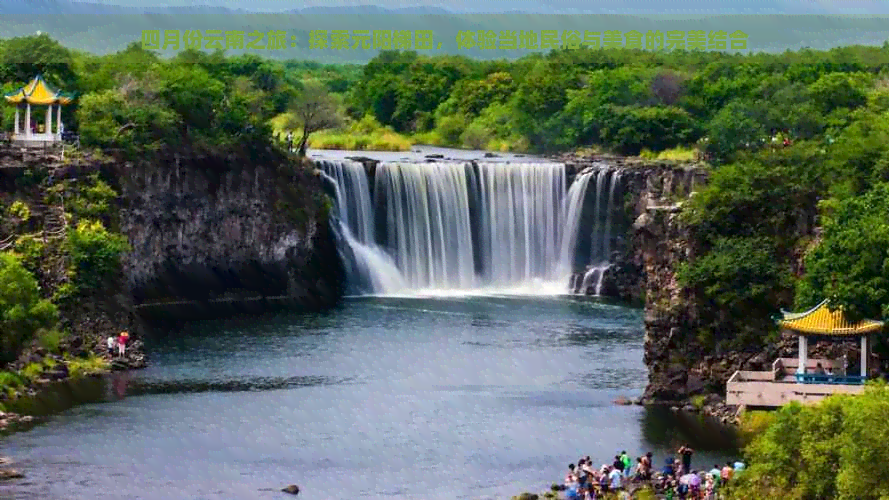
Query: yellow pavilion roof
x=820 y=320
x=38 y=92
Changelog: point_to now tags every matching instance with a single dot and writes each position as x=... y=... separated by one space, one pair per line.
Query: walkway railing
x=812 y=378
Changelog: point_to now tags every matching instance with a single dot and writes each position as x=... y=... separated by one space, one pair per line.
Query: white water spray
x=453 y=228
x=369 y=268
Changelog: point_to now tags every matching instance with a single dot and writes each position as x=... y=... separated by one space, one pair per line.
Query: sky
x=650 y=7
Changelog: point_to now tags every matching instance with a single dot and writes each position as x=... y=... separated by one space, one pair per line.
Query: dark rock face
x=643 y=269
x=212 y=237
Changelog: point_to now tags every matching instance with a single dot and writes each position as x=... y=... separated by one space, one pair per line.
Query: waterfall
x=601 y=238
x=459 y=227
x=426 y=207
x=520 y=221
x=572 y=210
x=369 y=269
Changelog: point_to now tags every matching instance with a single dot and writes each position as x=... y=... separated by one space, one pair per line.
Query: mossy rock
x=527 y=496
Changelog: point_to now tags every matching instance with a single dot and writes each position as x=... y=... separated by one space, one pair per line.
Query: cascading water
x=600 y=254
x=571 y=214
x=428 y=228
x=370 y=270
x=462 y=227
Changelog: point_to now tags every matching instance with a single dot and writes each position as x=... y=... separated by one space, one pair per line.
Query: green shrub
x=22 y=311
x=19 y=210
x=830 y=450
x=93 y=201
x=32 y=371
x=91 y=365
x=30 y=249
x=95 y=254
x=50 y=339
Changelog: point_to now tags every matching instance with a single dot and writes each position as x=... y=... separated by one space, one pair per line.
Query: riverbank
x=38 y=369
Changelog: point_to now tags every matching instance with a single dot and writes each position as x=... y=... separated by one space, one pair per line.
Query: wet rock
x=5 y=461
x=434 y=157
x=527 y=496
x=6 y=474
x=292 y=489
x=491 y=155
x=622 y=401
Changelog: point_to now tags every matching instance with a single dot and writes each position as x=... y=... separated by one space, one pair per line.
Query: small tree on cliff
x=314 y=109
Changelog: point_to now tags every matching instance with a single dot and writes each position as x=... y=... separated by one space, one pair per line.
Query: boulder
x=527 y=496
x=6 y=474
x=292 y=489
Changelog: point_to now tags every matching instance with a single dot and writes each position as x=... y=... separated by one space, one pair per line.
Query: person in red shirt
x=122 y=343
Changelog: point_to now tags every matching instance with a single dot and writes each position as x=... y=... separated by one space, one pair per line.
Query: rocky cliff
x=648 y=250
x=216 y=236
x=645 y=263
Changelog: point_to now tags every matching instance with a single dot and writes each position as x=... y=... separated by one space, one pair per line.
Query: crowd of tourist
x=675 y=480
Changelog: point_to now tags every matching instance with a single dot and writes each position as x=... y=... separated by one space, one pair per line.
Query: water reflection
x=473 y=388
x=144 y=387
x=584 y=336
x=668 y=429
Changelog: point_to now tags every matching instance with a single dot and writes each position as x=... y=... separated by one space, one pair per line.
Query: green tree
x=22 y=311
x=850 y=265
x=95 y=255
x=314 y=110
x=737 y=126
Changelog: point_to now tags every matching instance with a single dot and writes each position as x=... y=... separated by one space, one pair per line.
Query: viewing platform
x=781 y=385
x=803 y=379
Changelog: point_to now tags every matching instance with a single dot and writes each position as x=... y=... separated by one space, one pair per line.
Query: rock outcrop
x=648 y=251
x=217 y=236
x=645 y=264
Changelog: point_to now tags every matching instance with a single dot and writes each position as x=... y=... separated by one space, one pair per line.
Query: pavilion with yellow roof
x=821 y=321
x=38 y=93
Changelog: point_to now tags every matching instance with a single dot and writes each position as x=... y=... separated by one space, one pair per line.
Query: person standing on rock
x=122 y=343
x=686 y=452
x=112 y=343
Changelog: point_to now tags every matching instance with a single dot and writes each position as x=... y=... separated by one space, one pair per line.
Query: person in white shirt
x=112 y=343
x=616 y=479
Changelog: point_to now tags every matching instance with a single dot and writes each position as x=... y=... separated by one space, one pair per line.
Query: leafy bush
x=94 y=200
x=850 y=264
x=50 y=339
x=22 y=311
x=30 y=249
x=91 y=365
x=19 y=210
x=95 y=254
x=824 y=451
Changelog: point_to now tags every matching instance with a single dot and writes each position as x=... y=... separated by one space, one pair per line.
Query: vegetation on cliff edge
x=830 y=450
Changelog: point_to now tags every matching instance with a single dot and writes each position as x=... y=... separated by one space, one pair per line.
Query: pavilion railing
x=812 y=378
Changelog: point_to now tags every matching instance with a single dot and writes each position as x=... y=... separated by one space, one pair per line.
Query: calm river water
x=448 y=398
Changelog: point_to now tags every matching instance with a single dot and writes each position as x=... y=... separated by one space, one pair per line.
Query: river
x=383 y=398
x=431 y=387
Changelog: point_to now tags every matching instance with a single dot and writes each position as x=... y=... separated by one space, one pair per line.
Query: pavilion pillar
x=47 y=127
x=803 y=354
x=15 y=130
x=28 y=120
x=59 y=120
x=864 y=356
